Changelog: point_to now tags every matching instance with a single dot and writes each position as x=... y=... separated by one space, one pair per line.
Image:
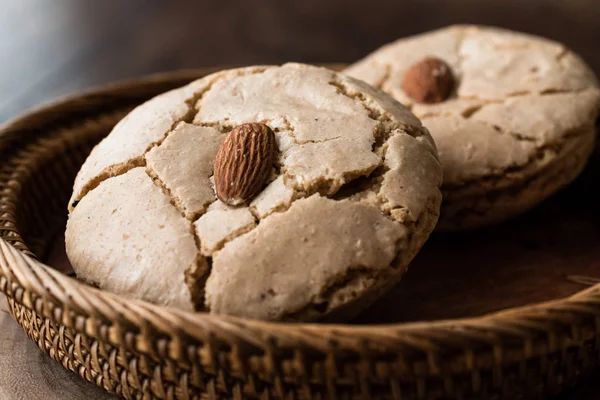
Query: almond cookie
x=512 y=115
x=327 y=187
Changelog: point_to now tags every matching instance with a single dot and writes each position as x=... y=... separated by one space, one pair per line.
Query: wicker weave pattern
x=138 y=350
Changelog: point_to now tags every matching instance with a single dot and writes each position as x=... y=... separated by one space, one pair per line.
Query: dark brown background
x=50 y=48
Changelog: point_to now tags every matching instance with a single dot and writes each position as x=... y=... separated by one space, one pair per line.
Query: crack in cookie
x=183 y=110
x=123 y=167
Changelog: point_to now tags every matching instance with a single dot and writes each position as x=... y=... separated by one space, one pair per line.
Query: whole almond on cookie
x=429 y=81
x=243 y=163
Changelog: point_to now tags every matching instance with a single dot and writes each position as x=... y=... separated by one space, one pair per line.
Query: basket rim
x=27 y=281
x=44 y=281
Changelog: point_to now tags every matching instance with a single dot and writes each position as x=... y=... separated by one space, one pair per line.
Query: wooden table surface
x=52 y=48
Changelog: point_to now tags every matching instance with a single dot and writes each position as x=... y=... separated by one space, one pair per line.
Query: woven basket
x=138 y=350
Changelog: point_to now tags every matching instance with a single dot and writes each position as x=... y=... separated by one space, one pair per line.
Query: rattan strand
x=138 y=350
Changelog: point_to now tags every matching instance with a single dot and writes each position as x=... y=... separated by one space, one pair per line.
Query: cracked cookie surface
x=518 y=100
x=353 y=195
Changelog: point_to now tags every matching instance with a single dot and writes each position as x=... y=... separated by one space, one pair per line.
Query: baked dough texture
x=353 y=195
x=518 y=127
